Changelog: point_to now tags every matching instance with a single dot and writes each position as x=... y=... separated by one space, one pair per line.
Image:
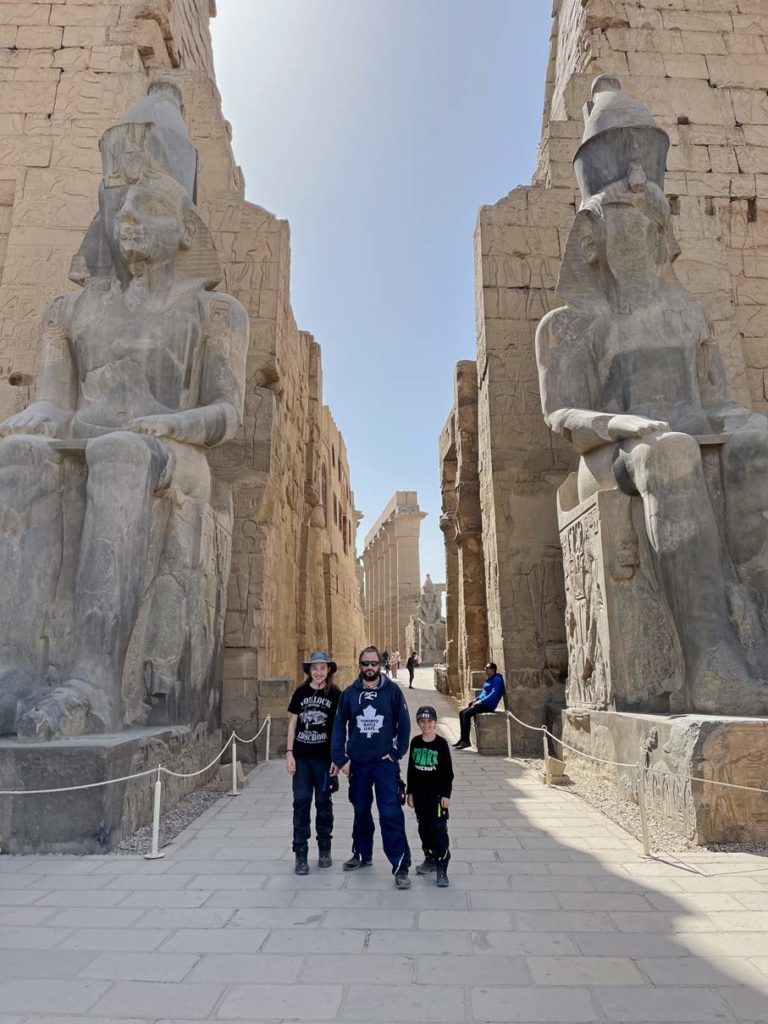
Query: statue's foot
x=723 y=685
x=64 y=712
x=14 y=686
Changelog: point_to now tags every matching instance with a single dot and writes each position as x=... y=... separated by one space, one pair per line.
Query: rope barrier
x=160 y=769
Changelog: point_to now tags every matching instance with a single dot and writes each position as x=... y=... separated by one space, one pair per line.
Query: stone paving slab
x=553 y=915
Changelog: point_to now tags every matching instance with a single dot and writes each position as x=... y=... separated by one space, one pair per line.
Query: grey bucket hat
x=320 y=657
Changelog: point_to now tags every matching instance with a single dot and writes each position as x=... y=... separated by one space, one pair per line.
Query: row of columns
x=392 y=572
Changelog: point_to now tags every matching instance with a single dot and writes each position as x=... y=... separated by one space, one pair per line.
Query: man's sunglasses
x=370 y=664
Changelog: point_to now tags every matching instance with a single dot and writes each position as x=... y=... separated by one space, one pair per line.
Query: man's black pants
x=465 y=718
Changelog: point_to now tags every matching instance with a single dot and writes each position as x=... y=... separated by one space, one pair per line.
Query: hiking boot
x=324 y=859
x=402 y=881
x=302 y=867
x=442 y=876
x=355 y=862
x=426 y=866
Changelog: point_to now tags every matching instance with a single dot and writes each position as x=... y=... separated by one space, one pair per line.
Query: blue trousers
x=381 y=776
x=311 y=779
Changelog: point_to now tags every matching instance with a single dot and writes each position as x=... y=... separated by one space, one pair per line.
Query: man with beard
x=370 y=734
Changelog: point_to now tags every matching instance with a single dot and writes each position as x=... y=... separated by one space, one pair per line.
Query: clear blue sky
x=378 y=128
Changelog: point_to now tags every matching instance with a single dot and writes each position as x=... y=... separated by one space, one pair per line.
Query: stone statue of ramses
x=631 y=375
x=141 y=371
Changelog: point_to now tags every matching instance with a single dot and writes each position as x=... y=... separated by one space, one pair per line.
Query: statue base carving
x=622 y=647
x=708 y=747
x=95 y=820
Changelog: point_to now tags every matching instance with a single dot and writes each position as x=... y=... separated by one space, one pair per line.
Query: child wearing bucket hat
x=308 y=758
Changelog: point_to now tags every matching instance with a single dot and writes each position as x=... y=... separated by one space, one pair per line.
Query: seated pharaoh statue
x=114 y=547
x=632 y=377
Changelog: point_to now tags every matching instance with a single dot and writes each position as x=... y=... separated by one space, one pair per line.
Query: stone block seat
x=491 y=730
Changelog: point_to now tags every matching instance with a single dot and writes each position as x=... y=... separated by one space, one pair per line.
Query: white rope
x=72 y=789
x=138 y=775
x=635 y=767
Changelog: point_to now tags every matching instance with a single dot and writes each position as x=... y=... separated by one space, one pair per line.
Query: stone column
x=407 y=528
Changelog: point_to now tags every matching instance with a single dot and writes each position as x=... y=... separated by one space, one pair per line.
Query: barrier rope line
x=160 y=769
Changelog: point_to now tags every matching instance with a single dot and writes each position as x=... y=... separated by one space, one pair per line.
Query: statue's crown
x=619 y=134
x=152 y=133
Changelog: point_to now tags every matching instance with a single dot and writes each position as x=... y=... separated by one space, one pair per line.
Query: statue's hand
x=626 y=425
x=157 y=426
x=36 y=419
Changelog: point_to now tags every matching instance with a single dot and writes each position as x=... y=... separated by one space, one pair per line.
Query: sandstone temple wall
x=702 y=70
x=392 y=573
x=68 y=69
x=461 y=523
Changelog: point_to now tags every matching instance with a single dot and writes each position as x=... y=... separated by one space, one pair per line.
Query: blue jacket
x=492 y=692
x=370 y=723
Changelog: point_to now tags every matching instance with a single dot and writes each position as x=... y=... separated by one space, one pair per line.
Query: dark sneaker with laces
x=402 y=881
x=355 y=862
x=426 y=866
x=442 y=876
x=324 y=859
x=302 y=866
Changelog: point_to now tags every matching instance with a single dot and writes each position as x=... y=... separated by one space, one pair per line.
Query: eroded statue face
x=146 y=222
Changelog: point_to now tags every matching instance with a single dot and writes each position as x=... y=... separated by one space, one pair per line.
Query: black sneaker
x=302 y=867
x=324 y=859
x=402 y=881
x=426 y=866
x=442 y=876
x=355 y=862
x=462 y=745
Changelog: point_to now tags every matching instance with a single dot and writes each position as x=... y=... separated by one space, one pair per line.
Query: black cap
x=426 y=711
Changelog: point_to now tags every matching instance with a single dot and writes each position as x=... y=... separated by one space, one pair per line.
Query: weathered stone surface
x=520 y=466
x=683 y=756
x=631 y=376
x=55 y=113
x=491 y=734
x=392 y=577
x=115 y=538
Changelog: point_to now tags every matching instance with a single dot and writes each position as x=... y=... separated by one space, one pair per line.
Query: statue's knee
x=674 y=455
x=26 y=450
x=121 y=447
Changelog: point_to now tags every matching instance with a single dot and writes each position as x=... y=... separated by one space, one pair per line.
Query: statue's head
x=622 y=232
x=147 y=212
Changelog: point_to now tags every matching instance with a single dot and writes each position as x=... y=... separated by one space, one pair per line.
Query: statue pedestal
x=93 y=820
x=709 y=747
x=623 y=651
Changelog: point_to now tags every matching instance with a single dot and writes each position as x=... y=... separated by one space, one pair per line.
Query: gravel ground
x=588 y=787
x=175 y=820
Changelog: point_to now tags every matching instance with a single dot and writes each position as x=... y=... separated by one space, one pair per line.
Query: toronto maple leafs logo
x=369 y=723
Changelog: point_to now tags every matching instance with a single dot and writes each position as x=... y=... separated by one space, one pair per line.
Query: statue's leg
x=745 y=482
x=124 y=470
x=667 y=471
x=30 y=559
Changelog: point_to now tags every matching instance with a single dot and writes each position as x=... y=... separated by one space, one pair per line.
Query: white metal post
x=233 y=791
x=643 y=810
x=269 y=729
x=154 y=853
x=509 y=737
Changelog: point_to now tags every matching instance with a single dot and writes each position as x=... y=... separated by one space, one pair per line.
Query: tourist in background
x=411 y=666
x=487 y=700
x=385 y=661
x=370 y=735
x=308 y=758
x=394 y=664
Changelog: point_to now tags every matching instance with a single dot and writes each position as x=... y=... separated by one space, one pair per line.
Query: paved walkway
x=552 y=916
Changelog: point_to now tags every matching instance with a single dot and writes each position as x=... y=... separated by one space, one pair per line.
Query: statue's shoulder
x=223 y=313
x=58 y=312
x=567 y=325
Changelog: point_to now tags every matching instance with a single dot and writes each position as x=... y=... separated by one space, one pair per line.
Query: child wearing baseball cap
x=428 y=787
